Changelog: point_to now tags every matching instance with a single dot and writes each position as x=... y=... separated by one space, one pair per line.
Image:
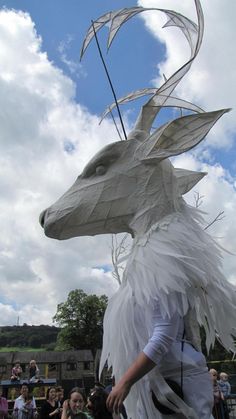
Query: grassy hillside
x=20 y=349
x=26 y=337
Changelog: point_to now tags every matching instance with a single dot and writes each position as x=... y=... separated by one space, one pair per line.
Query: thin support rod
x=117 y=129
x=109 y=79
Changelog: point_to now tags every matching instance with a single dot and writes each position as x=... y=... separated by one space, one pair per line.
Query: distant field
x=19 y=349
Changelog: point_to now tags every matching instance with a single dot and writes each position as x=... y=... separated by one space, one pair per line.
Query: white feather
x=178 y=264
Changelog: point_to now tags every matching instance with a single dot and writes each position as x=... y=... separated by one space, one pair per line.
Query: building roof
x=46 y=357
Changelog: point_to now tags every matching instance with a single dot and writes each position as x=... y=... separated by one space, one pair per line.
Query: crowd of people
x=221 y=392
x=76 y=406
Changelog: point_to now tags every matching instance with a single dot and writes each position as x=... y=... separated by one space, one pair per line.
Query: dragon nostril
x=42 y=218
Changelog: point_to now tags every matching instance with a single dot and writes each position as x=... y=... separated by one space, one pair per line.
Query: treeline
x=42 y=336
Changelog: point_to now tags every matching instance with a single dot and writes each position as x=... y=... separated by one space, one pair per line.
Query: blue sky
x=51 y=104
x=130 y=62
x=59 y=24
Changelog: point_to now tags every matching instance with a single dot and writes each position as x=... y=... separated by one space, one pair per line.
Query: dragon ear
x=187 y=179
x=178 y=136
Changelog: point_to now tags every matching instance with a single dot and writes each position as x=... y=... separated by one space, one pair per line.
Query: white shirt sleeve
x=165 y=331
x=34 y=403
x=16 y=404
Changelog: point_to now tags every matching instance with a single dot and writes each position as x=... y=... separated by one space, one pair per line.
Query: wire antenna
x=109 y=79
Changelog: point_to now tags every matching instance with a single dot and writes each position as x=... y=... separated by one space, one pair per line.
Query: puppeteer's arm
x=141 y=366
x=164 y=334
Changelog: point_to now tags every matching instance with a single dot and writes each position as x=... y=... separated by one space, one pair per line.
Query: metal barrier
x=225 y=409
x=231 y=404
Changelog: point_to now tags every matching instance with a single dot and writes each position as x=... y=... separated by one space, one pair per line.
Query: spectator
x=97 y=404
x=225 y=389
x=224 y=384
x=74 y=407
x=16 y=372
x=60 y=396
x=3 y=406
x=218 y=408
x=25 y=406
x=29 y=411
x=50 y=409
x=33 y=371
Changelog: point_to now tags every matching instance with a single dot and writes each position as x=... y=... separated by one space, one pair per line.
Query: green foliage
x=50 y=346
x=81 y=319
x=20 y=349
x=28 y=336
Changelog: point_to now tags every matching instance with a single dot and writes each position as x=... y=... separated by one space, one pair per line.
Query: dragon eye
x=100 y=170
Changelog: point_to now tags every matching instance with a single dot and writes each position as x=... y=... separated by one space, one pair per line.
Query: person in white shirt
x=167 y=349
x=25 y=406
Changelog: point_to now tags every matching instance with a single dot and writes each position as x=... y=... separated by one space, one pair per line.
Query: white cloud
x=39 y=118
x=74 y=67
x=211 y=81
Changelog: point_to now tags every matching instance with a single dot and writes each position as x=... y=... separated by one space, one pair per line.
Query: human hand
x=65 y=404
x=55 y=412
x=117 y=396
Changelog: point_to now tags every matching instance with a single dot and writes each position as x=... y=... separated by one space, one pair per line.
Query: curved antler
x=169 y=101
x=193 y=34
x=117 y=19
x=161 y=97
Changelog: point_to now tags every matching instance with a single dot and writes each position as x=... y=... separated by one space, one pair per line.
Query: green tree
x=81 y=320
x=34 y=341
